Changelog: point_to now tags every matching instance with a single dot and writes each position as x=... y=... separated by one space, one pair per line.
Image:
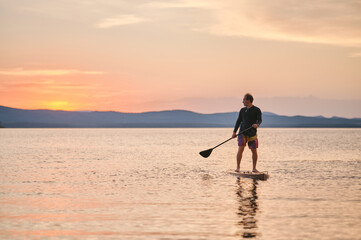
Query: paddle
x=208 y=152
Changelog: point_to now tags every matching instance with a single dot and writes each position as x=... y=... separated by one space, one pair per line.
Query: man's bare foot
x=255 y=171
x=237 y=170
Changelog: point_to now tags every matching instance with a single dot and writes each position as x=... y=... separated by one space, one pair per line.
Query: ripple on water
x=152 y=184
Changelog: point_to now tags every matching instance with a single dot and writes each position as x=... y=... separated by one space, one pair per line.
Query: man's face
x=246 y=102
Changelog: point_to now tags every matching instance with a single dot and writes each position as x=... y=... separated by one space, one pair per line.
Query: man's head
x=247 y=100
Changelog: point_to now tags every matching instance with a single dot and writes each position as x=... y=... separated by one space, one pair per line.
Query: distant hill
x=20 y=118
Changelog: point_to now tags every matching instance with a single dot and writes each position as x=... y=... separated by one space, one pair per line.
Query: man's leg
x=239 y=157
x=254 y=158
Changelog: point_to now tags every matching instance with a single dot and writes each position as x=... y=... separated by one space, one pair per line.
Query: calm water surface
x=153 y=184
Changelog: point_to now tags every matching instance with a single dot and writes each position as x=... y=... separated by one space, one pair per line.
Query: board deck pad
x=249 y=174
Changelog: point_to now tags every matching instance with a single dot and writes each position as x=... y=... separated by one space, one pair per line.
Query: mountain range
x=21 y=118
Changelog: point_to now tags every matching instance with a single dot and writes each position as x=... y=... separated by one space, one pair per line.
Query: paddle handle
x=232 y=137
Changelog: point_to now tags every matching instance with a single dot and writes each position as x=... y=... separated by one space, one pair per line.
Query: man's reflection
x=248 y=207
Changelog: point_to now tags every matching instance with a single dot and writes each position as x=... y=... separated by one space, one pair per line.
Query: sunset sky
x=140 y=55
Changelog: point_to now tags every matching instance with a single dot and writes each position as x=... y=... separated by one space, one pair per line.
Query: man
x=249 y=116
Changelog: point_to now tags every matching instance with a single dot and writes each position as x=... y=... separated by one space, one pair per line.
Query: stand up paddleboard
x=248 y=174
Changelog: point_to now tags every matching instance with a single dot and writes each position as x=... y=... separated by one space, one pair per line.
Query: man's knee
x=240 y=149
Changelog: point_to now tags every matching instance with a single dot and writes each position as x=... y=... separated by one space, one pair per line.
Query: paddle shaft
x=232 y=137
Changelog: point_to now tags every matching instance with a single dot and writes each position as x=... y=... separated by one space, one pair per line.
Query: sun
x=59 y=105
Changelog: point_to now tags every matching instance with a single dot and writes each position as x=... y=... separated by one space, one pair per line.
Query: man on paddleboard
x=249 y=117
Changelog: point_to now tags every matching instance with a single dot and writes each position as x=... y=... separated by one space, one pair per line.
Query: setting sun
x=110 y=110
x=198 y=55
x=59 y=105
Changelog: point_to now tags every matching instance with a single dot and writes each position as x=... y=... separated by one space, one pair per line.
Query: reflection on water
x=248 y=207
x=151 y=184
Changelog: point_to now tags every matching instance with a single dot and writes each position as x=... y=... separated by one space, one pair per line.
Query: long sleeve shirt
x=246 y=118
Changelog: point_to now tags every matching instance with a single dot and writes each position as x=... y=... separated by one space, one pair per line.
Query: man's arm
x=238 y=123
x=259 y=119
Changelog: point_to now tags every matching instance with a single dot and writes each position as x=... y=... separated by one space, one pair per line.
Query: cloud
x=355 y=55
x=46 y=72
x=49 y=84
x=119 y=21
x=79 y=88
x=182 y=4
x=326 y=22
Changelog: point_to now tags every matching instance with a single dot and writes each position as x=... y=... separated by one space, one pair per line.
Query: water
x=153 y=184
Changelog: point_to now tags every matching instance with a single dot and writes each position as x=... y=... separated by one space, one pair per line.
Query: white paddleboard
x=248 y=174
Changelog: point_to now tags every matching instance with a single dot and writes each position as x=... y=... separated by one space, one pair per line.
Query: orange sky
x=135 y=56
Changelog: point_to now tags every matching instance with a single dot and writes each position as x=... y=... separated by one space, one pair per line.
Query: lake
x=153 y=184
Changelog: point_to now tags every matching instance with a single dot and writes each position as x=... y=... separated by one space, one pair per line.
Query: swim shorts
x=252 y=141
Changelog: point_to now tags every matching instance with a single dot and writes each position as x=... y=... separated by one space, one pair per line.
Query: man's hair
x=249 y=97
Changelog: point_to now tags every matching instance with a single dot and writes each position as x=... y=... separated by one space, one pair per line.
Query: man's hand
x=255 y=125
x=234 y=135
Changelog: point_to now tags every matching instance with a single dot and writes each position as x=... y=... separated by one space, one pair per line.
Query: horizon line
x=169 y=110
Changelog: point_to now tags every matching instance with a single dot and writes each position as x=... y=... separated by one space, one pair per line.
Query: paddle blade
x=206 y=153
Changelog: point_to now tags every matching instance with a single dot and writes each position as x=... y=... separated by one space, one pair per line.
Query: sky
x=295 y=57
